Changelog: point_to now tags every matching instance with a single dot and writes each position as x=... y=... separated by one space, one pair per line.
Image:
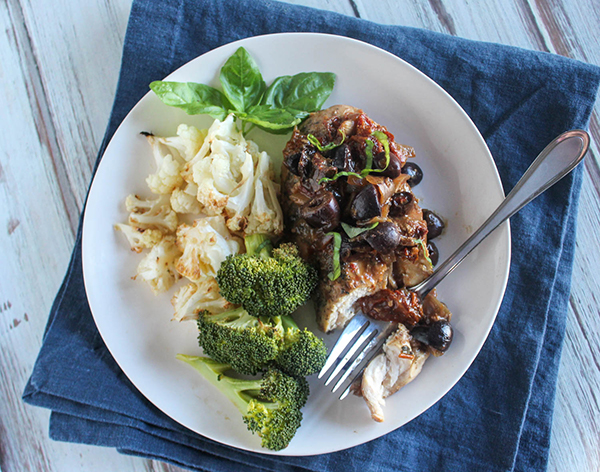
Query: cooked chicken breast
x=400 y=362
x=348 y=205
x=316 y=202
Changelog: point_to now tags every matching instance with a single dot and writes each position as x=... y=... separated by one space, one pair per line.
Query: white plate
x=461 y=183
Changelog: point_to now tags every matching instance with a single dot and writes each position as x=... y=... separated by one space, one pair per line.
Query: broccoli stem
x=288 y=322
x=230 y=315
x=258 y=245
x=239 y=392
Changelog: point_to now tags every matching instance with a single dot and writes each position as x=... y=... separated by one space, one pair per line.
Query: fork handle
x=559 y=158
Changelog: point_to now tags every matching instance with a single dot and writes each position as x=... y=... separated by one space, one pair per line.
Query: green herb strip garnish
x=328 y=147
x=337 y=244
x=338 y=175
x=353 y=231
x=421 y=243
x=275 y=109
x=383 y=139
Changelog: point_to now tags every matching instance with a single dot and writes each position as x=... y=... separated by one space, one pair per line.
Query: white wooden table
x=60 y=63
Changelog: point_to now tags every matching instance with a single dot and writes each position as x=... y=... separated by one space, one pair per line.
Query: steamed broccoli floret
x=245 y=342
x=301 y=353
x=266 y=281
x=270 y=406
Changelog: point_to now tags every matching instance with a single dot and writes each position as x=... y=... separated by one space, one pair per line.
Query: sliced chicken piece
x=335 y=300
x=400 y=362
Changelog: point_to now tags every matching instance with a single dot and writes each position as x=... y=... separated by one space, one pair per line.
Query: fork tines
x=360 y=341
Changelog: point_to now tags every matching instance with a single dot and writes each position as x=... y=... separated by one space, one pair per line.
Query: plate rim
x=505 y=228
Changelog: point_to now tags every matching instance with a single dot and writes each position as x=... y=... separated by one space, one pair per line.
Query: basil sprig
x=276 y=108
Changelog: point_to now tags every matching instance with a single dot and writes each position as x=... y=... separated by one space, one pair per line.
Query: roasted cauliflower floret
x=193 y=298
x=138 y=238
x=265 y=215
x=223 y=166
x=157 y=268
x=188 y=141
x=152 y=214
x=204 y=245
x=220 y=131
x=183 y=200
x=238 y=204
x=169 y=165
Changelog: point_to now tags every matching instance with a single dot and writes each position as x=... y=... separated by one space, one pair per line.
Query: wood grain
x=59 y=72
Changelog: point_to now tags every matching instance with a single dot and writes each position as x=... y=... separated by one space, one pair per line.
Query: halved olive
x=398 y=202
x=384 y=238
x=435 y=225
x=434 y=254
x=415 y=173
x=438 y=335
x=322 y=211
x=292 y=161
x=341 y=157
x=394 y=167
x=366 y=204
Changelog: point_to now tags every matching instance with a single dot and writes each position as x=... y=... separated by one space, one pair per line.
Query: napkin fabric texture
x=498 y=417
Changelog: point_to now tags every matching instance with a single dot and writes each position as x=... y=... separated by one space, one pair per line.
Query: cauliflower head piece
x=157 y=268
x=222 y=168
x=266 y=215
x=139 y=238
x=192 y=298
x=151 y=214
x=188 y=141
x=183 y=200
x=205 y=245
x=169 y=165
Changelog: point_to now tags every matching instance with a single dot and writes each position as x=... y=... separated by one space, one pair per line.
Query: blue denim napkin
x=498 y=417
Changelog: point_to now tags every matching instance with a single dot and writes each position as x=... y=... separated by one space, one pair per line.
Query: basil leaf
x=353 y=231
x=194 y=99
x=270 y=118
x=242 y=81
x=301 y=93
x=328 y=147
x=337 y=268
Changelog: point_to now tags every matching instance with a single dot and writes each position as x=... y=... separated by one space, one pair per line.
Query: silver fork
x=363 y=338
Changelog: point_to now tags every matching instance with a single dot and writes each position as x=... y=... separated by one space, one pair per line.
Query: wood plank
x=576 y=428
x=38 y=222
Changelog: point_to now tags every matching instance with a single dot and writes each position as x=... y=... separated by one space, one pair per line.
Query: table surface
x=60 y=63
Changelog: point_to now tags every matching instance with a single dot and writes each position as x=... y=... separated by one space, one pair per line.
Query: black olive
x=420 y=333
x=291 y=161
x=384 y=238
x=438 y=335
x=398 y=202
x=394 y=168
x=323 y=211
x=434 y=254
x=341 y=157
x=414 y=171
x=435 y=225
x=366 y=204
